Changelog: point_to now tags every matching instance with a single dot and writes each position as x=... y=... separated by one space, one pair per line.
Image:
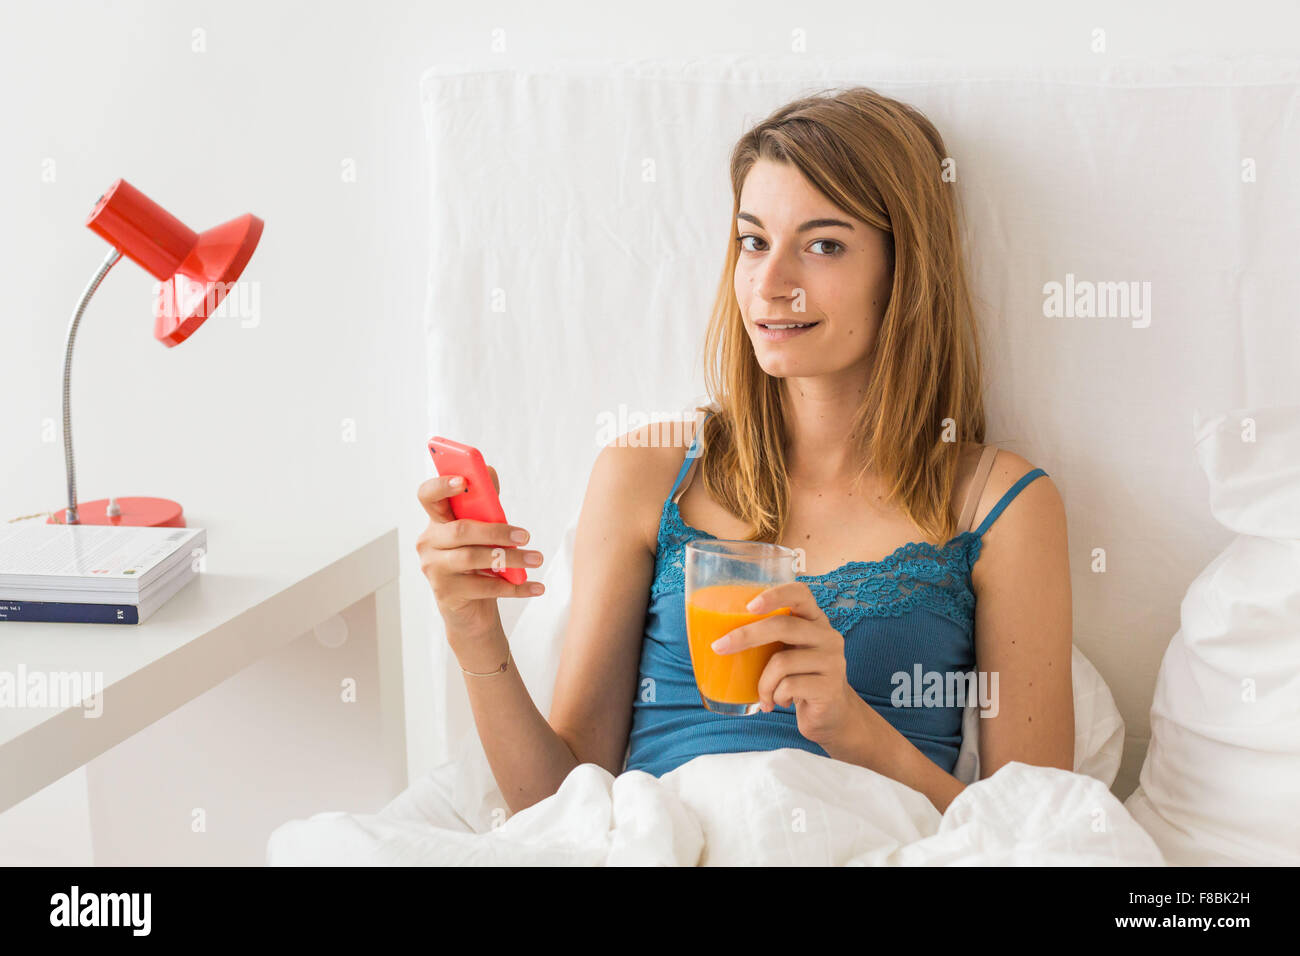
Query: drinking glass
x=721 y=578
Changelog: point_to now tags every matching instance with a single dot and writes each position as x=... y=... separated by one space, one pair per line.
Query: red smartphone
x=479 y=502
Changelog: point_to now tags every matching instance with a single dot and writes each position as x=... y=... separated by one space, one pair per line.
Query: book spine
x=60 y=612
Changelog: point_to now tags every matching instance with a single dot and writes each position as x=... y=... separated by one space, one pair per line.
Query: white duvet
x=772 y=808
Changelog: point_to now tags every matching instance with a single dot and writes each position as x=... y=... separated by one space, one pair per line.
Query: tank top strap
x=978 y=481
x=1006 y=499
x=692 y=455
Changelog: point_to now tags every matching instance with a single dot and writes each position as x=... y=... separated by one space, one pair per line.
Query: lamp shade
x=195 y=269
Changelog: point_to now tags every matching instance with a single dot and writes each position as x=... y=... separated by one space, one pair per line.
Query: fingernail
x=719 y=645
x=457 y=482
x=753 y=605
x=532 y=560
x=519 y=536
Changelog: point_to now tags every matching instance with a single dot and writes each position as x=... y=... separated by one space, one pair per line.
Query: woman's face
x=803 y=260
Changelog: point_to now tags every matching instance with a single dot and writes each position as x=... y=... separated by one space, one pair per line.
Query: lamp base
x=136 y=513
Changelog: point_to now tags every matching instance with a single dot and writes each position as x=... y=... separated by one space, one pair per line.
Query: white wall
x=262 y=120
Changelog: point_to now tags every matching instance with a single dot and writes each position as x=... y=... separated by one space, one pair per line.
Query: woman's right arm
x=613 y=567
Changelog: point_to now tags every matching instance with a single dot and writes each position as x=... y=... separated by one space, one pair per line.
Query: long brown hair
x=881 y=161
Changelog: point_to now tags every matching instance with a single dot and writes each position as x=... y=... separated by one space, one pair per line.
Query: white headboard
x=580 y=213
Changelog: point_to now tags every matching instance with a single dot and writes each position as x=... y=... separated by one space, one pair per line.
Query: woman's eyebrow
x=810 y=224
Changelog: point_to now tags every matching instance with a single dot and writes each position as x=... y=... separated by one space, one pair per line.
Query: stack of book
x=93 y=573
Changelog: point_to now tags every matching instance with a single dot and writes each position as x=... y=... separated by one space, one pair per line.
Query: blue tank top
x=910 y=613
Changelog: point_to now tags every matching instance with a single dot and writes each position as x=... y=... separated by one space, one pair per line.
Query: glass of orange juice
x=721 y=578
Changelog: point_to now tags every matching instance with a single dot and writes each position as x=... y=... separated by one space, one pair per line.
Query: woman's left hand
x=810 y=672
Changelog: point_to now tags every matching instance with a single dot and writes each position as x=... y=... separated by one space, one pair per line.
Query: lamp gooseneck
x=109 y=260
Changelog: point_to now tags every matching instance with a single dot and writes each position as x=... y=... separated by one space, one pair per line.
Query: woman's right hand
x=455 y=555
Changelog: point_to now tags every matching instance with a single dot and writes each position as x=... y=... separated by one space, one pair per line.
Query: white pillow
x=1221 y=779
x=1254 y=484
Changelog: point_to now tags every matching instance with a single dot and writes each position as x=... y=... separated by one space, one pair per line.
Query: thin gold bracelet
x=499 y=670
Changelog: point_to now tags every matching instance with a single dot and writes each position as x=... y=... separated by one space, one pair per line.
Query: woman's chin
x=779 y=366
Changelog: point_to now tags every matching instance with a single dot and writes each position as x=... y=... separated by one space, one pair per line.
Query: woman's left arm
x=1024 y=630
x=1023 y=638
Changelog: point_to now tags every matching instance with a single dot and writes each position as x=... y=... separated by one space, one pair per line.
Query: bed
x=578 y=212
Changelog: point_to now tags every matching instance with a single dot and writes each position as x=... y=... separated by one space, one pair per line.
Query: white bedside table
x=222 y=715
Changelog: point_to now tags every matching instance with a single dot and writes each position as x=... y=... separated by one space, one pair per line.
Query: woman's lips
x=780 y=335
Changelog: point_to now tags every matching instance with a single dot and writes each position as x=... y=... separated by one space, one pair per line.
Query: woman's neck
x=818 y=424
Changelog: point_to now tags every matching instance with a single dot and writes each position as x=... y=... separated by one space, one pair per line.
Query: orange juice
x=710 y=613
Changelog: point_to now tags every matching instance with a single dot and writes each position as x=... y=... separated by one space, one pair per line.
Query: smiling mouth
x=778 y=326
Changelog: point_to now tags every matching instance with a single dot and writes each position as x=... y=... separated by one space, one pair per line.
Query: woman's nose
x=774 y=280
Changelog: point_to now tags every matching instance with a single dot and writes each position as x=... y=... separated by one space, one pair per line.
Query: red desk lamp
x=196 y=270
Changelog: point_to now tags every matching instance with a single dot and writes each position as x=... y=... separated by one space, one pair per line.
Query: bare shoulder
x=1009 y=468
x=642 y=463
x=1033 y=522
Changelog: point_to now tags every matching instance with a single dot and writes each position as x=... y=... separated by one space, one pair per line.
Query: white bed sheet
x=783 y=807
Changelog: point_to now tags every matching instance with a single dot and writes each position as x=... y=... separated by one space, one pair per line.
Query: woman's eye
x=836 y=250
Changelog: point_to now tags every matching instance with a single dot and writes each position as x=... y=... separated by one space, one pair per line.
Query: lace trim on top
x=916 y=575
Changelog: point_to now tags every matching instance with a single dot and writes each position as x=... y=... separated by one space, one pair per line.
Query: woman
x=856 y=438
